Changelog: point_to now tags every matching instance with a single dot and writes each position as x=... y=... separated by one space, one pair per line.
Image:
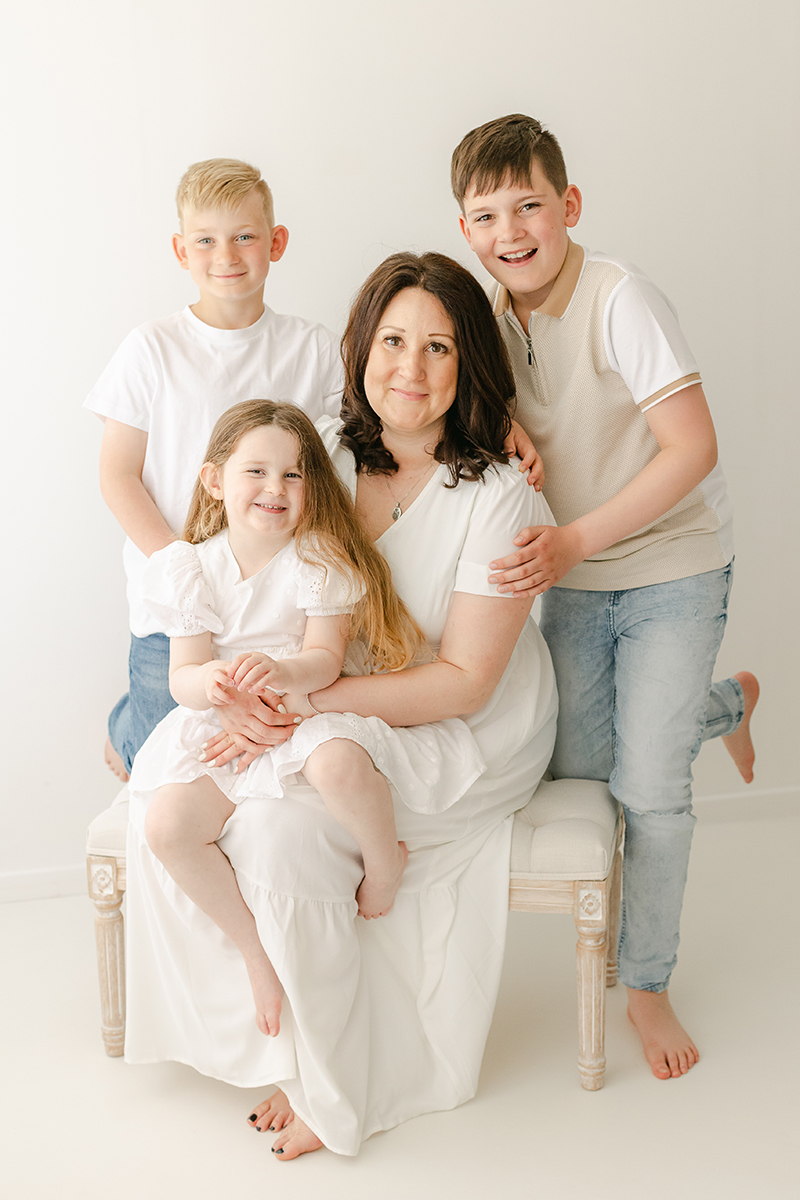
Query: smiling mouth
x=518 y=257
x=272 y=508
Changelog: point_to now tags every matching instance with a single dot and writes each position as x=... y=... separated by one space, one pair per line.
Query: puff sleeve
x=176 y=592
x=327 y=591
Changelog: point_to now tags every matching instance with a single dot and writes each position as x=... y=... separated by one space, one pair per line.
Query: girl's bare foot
x=267 y=993
x=740 y=744
x=667 y=1046
x=295 y=1139
x=376 y=893
x=272 y=1114
x=114 y=762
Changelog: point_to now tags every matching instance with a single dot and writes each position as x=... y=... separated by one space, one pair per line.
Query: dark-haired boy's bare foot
x=114 y=762
x=667 y=1046
x=272 y=1114
x=267 y=993
x=740 y=744
x=295 y=1139
x=376 y=892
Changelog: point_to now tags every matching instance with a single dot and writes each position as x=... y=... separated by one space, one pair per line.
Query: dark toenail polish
x=271 y=1129
x=258 y=1129
x=252 y=1117
x=274 y=1151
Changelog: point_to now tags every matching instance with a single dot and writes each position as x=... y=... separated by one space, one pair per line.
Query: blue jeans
x=635 y=704
x=148 y=699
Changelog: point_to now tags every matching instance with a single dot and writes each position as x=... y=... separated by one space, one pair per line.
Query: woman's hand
x=250 y=726
x=520 y=444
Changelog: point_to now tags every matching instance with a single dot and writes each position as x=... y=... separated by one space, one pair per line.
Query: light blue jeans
x=136 y=714
x=635 y=704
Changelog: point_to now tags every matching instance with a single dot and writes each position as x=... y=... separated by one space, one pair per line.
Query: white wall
x=679 y=122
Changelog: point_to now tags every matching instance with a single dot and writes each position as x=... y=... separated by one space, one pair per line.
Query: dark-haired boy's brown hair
x=503 y=151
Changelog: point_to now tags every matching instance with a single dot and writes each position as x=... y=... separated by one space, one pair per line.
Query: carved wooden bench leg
x=591 y=921
x=106 y=890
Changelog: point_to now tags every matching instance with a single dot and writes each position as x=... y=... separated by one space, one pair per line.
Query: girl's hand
x=520 y=444
x=219 y=683
x=255 y=673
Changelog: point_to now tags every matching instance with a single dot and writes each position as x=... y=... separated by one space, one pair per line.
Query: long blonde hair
x=329 y=533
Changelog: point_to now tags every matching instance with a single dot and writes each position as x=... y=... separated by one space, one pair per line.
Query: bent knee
x=338 y=765
x=170 y=821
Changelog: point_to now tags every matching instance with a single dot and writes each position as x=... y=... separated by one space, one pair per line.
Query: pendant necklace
x=397 y=511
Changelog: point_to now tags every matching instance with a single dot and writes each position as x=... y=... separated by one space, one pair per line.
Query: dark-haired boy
x=640 y=563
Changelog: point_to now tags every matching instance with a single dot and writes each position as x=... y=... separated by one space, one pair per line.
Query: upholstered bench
x=565 y=857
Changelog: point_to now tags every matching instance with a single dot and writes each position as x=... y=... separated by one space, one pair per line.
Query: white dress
x=197 y=589
x=382 y=1020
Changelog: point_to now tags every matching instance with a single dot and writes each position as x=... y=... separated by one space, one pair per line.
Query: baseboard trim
x=747 y=794
x=45 y=883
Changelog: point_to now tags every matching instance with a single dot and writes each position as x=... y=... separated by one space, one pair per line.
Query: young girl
x=274 y=578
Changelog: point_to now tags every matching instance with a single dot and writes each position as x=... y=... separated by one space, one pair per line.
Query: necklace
x=397 y=511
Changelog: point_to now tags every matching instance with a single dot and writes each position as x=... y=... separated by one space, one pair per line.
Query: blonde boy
x=640 y=562
x=170 y=380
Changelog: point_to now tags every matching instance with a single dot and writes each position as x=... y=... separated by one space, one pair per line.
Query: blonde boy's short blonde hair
x=222 y=183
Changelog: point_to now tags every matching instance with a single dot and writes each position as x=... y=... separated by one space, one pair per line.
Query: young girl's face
x=260 y=484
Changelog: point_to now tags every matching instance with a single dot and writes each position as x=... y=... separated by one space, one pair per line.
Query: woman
x=385 y=1019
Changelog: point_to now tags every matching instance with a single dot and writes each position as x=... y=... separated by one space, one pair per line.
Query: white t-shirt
x=173 y=378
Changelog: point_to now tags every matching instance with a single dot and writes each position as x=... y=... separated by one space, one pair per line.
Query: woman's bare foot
x=376 y=893
x=114 y=762
x=267 y=993
x=272 y=1114
x=295 y=1139
x=667 y=1046
x=739 y=744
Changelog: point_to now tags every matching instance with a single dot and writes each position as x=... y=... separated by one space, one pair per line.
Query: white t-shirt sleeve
x=504 y=505
x=332 y=376
x=645 y=343
x=126 y=389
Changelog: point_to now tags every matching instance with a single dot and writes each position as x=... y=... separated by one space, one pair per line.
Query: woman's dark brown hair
x=478 y=422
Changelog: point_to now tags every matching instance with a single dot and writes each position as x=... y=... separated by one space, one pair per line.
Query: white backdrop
x=679 y=123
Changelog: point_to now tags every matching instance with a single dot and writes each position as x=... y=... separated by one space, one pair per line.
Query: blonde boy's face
x=228 y=252
x=520 y=234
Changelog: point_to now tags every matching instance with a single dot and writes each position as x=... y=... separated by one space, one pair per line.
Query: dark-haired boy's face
x=519 y=233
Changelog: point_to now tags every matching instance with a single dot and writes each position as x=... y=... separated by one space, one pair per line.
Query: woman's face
x=412 y=369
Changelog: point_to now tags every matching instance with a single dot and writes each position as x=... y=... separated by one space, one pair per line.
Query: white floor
x=76 y=1124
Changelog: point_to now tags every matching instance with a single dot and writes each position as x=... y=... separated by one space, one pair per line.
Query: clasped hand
x=247 y=697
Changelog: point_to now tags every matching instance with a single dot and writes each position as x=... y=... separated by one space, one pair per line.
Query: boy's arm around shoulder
x=121 y=462
x=684 y=430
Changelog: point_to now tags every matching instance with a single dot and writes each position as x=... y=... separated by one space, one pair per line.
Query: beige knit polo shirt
x=603 y=348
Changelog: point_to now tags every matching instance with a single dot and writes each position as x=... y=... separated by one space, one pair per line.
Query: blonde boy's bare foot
x=114 y=762
x=295 y=1139
x=272 y=1114
x=267 y=993
x=376 y=894
x=667 y=1046
x=740 y=744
